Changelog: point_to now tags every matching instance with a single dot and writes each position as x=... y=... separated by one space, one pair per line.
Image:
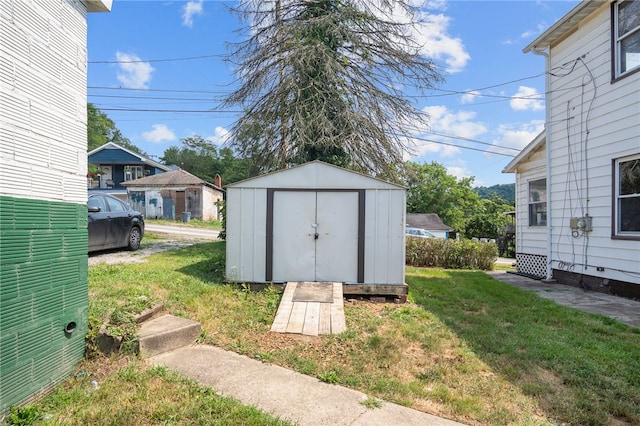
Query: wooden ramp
x=310 y=308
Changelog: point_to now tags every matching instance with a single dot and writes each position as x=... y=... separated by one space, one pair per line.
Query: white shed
x=317 y=222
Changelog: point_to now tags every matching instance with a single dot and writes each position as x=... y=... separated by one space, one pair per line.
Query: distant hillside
x=505 y=191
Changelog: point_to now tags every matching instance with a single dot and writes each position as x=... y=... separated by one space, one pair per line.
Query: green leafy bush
x=450 y=254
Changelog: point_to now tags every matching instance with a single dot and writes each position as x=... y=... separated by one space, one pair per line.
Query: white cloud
x=220 y=136
x=458 y=123
x=459 y=171
x=191 y=9
x=527 y=35
x=469 y=96
x=436 y=43
x=517 y=136
x=430 y=32
x=160 y=133
x=443 y=121
x=133 y=73
x=527 y=99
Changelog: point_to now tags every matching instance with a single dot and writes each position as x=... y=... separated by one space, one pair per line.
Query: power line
x=151 y=97
x=537 y=96
x=172 y=110
x=135 y=61
x=461 y=146
x=473 y=141
x=158 y=90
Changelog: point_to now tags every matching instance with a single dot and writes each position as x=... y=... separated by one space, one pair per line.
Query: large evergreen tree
x=326 y=79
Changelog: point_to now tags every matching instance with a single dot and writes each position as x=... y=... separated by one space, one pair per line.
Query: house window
x=626 y=36
x=538 y=202
x=133 y=172
x=627 y=190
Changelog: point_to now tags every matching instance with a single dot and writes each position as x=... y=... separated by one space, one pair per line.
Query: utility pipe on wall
x=547 y=136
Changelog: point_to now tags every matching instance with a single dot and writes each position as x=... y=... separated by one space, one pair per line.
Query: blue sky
x=156 y=69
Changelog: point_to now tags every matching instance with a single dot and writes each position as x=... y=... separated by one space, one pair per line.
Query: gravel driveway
x=172 y=237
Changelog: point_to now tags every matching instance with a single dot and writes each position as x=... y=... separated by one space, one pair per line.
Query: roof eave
x=564 y=25
x=99 y=5
x=526 y=152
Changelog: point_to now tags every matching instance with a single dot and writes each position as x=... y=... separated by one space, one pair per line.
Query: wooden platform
x=310 y=308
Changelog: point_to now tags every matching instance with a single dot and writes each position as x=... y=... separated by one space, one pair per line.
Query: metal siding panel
x=233 y=242
x=9 y=287
x=259 y=225
x=385 y=237
x=294 y=251
x=337 y=244
x=397 y=214
x=43 y=271
x=15 y=111
x=247 y=235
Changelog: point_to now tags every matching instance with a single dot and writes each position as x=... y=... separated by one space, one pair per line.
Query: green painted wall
x=43 y=288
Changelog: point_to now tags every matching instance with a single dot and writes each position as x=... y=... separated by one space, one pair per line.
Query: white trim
x=617 y=197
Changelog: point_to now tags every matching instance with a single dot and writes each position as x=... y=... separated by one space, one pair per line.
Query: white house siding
x=43 y=216
x=43 y=61
x=581 y=163
x=531 y=241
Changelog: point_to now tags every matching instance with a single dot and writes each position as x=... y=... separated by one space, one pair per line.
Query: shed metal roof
x=315 y=174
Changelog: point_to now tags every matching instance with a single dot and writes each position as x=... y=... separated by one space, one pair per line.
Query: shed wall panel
x=246 y=234
x=384 y=237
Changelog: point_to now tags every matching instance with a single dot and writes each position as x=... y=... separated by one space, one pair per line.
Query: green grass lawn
x=466 y=347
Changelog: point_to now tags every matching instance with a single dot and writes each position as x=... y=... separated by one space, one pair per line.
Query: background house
x=169 y=195
x=429 y=221
x=116 y=165
x=317 y=222
x=43 y=193
x=578 y=185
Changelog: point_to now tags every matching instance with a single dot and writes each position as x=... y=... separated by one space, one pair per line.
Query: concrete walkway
x=624 y=310
x=286 y=394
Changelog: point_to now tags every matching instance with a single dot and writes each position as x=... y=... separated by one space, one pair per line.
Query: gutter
x=547 y=129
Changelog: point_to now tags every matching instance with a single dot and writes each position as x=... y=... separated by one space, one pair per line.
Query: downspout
x=547 y=136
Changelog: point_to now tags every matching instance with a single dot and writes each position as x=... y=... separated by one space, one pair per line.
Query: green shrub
x=450 y=254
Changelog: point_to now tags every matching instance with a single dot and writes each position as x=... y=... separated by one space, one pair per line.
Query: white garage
x=317 y=222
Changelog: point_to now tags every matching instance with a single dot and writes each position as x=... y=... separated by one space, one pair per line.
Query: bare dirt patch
x=168 y=242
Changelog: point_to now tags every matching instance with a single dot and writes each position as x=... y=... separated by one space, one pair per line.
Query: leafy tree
x=432 y=190
x=505 y=191
x=101 y=130
x=489 y=219
x=324 y=79
x=202 y=158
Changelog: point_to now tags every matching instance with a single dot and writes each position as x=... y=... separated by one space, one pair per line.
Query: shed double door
x=315 y=236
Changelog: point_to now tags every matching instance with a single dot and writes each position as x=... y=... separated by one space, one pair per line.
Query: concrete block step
x=166 y=333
